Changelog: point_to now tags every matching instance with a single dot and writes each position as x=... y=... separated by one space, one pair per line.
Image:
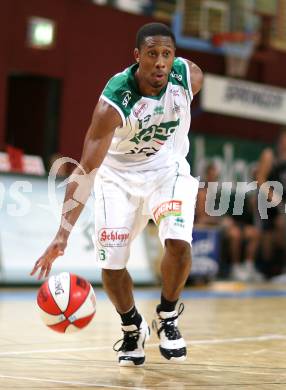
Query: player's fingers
x=36 y=266
x=50 y=258
x=48 y=269
x=42 y=272
x=46 y=261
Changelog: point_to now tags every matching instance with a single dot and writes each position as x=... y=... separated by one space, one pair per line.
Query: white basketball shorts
x=125 y=201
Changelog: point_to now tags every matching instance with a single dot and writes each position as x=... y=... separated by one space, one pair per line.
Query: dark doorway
x=32 y=121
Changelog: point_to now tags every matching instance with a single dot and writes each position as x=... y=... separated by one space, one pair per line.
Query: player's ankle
x=131 y=317
x=166 y=305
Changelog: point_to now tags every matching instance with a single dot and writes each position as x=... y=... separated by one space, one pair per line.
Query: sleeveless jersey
x=155 y=129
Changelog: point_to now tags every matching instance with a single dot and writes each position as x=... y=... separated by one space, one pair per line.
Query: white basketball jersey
x=155 y=128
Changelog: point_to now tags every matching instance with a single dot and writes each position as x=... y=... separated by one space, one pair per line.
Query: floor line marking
x=55 y=350
x=74 y=383
x=266 y=337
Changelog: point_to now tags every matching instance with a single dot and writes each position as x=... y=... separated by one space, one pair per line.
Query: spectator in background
x=236 y=230
x=202 y=217
x=272 y=167
x=248 y=234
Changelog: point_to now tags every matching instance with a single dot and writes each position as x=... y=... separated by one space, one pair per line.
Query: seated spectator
x=237 y=230
x=272 y=167
x=243 y=227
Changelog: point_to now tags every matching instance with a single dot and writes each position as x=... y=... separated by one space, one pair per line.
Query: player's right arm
x=96 y=144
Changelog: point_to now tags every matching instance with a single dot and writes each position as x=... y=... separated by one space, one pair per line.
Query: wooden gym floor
x=236 y=336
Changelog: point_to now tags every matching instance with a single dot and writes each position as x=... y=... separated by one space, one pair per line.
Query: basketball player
x=139 y=138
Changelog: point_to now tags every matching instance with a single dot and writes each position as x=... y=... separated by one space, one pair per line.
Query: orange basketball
x=67 y=302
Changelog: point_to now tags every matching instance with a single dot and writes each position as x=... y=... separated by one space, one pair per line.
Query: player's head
x=153 y=30
x=155 y=52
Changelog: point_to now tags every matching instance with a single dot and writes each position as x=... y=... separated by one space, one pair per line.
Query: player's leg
x=116 y=216
x=173 y=212
x=118 y=285
x=175 y=268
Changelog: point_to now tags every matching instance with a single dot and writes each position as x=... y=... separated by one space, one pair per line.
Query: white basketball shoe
x=172 y=345
x=131 y=352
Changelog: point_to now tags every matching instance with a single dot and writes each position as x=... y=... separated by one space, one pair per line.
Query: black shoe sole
x=125 y=360
x=170 y=354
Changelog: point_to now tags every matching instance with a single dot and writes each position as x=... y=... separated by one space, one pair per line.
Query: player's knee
x=179 y=249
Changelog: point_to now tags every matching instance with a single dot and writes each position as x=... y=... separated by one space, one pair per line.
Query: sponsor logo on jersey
x=176 y=108
x=176 y=76
x=158 y=133
x=139 y=111
x=147 y=150
x=172 y=207
x=126 y=98
x=159 y=110
x=175 y=92
x=110 y=237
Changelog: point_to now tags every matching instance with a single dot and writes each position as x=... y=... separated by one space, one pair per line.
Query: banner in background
x=205 y=252
x=28 y=224
x=32 y=165
x=244 y=99
x=236 y=159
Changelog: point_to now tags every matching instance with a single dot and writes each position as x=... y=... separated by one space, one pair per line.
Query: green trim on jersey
x=179 y=69
x=122 y=89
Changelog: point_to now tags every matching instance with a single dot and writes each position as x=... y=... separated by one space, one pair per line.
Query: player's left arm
x=196 y=77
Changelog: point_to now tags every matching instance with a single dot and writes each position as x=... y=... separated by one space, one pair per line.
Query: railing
x=160 y=9
x=203 y=18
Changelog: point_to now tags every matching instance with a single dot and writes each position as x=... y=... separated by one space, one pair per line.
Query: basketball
x=66 y=302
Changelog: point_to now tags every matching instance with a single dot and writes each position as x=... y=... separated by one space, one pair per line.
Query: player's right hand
x=44 y=263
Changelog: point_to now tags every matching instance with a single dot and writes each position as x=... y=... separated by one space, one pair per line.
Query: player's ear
x=136 y=54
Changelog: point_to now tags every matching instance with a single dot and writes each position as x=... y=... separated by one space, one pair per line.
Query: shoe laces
x=168 y=325
x=129 y=341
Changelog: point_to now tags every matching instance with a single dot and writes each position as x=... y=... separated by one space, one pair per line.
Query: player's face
x=155 y=58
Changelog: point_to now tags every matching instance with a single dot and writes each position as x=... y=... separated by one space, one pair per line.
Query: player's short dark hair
x=151 y=30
